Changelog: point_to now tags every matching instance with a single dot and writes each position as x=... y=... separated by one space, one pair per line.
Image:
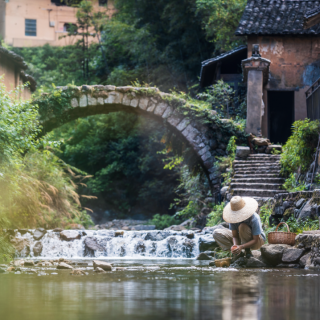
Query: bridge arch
x=197 y=126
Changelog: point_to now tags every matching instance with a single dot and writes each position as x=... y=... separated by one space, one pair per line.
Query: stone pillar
x=256 y=74
x=254 y=102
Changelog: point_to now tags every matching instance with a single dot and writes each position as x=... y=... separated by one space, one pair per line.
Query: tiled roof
x=273 y=17
x=208 y=67
x=311 y=18
x=18 y=61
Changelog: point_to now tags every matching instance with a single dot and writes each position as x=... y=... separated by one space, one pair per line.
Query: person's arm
x=235 y=237
x=243 y=246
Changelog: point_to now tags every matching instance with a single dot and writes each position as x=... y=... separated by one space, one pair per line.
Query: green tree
x=121 y=151
x=220 y=20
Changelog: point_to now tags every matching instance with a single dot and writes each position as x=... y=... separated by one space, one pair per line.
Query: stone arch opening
x=199 y=128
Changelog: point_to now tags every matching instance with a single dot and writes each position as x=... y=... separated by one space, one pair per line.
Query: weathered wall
x=2 y=19
x=7 y=68
x=295 y=65
x=11 y=77
x=16 y=11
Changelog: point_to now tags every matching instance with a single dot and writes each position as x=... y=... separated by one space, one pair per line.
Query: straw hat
x=239 y=209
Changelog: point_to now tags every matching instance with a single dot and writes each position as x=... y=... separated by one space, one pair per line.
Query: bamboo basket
x=281 y=237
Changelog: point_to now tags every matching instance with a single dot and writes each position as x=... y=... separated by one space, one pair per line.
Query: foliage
x=215 y=217
x=297 y=226
x=221 y=254
x=224 y=164
x=191 y=192
x=163 y=221
x=265 y=212
x=220 y=20
x=223 y=99
x=292 y=184
x=59 y=65
x=35 y=188
x=122 y=152
x=298 y=151
x=160 y=43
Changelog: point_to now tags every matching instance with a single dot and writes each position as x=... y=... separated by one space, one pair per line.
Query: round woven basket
x=280 y=237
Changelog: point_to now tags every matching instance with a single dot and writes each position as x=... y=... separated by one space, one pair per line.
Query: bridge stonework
x=203 y=131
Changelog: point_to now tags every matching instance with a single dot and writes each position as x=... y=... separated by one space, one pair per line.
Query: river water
x=161 y=289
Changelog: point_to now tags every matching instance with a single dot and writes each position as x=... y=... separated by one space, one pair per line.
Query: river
x=161 y=289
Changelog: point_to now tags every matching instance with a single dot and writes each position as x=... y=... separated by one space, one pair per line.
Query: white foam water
x=132 y=244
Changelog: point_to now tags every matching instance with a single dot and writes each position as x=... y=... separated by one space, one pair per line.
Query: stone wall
x=300 y=205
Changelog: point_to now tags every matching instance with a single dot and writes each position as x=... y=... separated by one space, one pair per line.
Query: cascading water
x=108 y=243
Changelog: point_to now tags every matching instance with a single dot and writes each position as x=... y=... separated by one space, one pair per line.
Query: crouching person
x=245 y=229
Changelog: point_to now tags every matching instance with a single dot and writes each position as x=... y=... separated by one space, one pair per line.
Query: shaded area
x=281 y=115
x=121 y=151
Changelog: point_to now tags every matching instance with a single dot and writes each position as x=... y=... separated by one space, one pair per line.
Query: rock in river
x=39 y=233
x=272 y=253
x=99 y=270
x=37 y=249
x=77 y=272
x=291 y=255
x=203 y=256
x=91 y=244
x=207 y=242
x=69 y=235
x=63 y=265
x=102 y=264
x=255 y=263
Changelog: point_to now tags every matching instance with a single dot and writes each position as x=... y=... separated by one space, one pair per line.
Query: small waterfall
x=112 y=244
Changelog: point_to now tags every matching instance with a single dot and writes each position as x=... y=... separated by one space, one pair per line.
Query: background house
x=294 y=53
x=29 y=23
x=12 y=67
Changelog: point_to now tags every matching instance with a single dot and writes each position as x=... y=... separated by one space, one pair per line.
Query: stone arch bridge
x=195 y=124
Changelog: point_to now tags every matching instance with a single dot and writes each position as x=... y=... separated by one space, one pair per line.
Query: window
x=70 y=27
x=103 y=3
x=31 y=27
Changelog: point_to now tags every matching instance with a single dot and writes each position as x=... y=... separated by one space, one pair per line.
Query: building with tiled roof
x=13 y=70
x=277 y=26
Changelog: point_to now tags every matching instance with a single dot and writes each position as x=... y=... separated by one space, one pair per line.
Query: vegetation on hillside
x=298 y=153
x=220 y=19
x=161 y=44
x=36 y=187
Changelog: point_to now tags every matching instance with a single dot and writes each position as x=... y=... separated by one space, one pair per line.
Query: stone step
x=257 y=170
x=263 y=155
x=256 y=193
x=265 y=186
x=262 y=179
x=260 y=162
x=255 y=175
x=249 y=167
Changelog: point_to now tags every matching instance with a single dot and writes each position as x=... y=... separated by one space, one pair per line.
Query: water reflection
x=164 y=293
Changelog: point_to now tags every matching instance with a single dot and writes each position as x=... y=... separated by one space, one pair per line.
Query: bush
x=36 y=187
x=296 y=226
x=297 y=153
x=163 y=221
x=215 y=217
x=300 y=147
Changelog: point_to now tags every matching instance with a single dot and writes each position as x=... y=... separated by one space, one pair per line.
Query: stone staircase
x=258 y=176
